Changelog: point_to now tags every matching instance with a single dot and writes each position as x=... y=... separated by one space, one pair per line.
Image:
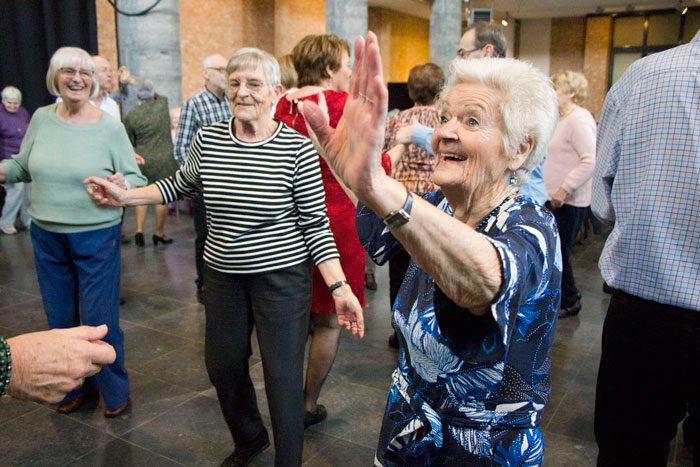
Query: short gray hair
x=144 y=89
x=66 y=57
x=529 y=106
x=11 y=92
x=253 y=57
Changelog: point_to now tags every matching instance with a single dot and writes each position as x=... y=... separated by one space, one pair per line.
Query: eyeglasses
x=461 y=53
x=71 y=72
x=220 y=69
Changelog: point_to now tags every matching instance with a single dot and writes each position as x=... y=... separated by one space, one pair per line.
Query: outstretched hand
x=49 y=364
x=353 y=149
x=104 y=192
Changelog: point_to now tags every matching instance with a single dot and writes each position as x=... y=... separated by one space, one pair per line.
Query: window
x=640 y=34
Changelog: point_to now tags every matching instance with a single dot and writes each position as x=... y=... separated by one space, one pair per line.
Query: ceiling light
x=506 y=20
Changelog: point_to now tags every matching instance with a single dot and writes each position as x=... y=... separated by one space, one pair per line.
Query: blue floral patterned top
x=468 y=389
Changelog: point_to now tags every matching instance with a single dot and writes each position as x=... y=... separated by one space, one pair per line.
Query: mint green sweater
x=56 y=156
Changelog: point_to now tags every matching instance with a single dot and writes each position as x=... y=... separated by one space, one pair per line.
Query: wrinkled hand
x=47 y=365
x=404 y=131
x=349 y=311
x=139 y=160
x=558 y=198
x=353 y=149
x=104 y=192
x=118 y=179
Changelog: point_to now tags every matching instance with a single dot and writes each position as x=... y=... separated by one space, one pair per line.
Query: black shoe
x=394 y=341
x=370 y=282
x=122 y=301
x=312 y=418
x=200 y=295
x=163 y=240
x=242 y=455
x=138 y=239
x=125 y=240
x=565 y=312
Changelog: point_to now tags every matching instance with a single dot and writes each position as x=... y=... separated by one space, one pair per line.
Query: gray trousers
x=278 y=304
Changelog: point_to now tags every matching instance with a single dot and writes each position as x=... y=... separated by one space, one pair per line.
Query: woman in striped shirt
x=267 y=221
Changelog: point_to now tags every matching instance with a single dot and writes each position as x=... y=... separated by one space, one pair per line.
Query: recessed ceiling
x=537 y=8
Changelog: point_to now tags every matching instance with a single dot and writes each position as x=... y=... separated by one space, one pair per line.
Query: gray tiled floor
x=174 y=417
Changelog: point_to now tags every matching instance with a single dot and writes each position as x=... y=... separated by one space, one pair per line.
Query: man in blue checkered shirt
x=208 y=106
x=647 y=181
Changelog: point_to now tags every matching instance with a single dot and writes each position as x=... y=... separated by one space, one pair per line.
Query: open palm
x=353 y=149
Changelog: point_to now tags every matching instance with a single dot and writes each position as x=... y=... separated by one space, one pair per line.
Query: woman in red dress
x=323 y=65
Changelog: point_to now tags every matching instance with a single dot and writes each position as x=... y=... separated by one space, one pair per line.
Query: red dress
x=341 y=211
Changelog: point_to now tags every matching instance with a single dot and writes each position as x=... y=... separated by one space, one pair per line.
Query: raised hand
x=49 y=364
x=353 y=149
x=104 y=192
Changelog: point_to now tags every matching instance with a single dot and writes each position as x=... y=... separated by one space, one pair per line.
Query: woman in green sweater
x=76 y=243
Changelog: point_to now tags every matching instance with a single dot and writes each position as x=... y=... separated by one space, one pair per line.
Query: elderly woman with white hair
x=14 y=120
x=267 y=222
x=477 y=310
x=148 y=127
x=76 y=243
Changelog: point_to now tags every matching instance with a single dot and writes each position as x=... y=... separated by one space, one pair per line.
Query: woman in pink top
x=567 y=175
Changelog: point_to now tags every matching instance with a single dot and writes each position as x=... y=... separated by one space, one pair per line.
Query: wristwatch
x=403 y=215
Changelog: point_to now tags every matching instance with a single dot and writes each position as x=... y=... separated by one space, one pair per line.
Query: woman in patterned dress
x=477 y=310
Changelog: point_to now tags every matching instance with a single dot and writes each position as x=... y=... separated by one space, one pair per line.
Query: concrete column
x=149 y=46
x=445 y=31
x=346 y=19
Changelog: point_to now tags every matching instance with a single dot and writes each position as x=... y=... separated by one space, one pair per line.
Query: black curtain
x=31 y=31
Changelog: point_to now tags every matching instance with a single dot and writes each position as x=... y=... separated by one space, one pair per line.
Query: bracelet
x=337 y=285
x=5 y=366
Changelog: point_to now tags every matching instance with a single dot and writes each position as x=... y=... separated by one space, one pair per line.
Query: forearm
x=3 y=175
x=395 y=154
x=331 y=271
x=142 y=196
x=462 y=262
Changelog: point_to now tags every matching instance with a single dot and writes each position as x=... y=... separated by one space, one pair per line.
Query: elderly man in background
x=106 y=79
x=480 y=40
x=208 y=106
x=647 y=181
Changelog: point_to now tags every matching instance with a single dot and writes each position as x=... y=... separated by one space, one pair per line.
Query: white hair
x=253 y=57
x=144 y=89
x=11 y=92
x=70 y=57
x=529 y=105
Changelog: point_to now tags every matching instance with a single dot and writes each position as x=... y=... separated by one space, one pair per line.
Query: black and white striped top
x=265 y=200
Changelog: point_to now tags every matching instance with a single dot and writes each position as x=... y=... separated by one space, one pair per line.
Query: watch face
x=397 y=219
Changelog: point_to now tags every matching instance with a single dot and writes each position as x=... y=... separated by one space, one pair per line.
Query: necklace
x=482 y=224
x=566 y=114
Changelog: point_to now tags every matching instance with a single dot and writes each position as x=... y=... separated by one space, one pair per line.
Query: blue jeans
x=79 y=276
